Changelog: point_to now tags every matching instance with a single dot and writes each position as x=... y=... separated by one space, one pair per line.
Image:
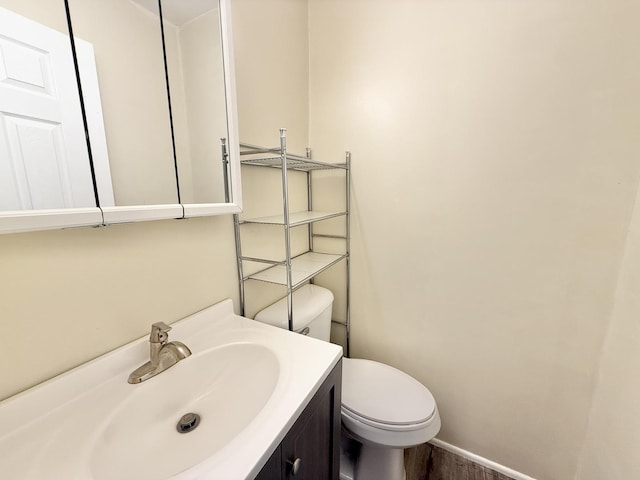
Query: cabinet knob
x=294 y=465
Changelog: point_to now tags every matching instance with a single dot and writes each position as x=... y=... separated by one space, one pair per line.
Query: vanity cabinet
x=311 y=448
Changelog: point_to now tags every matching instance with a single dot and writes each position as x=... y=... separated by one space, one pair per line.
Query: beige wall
x=51 y=14
x=613 y=437
x=271 y=51
x=68 y=296
x=203 y=75
x=495 y=163
x=71 y=295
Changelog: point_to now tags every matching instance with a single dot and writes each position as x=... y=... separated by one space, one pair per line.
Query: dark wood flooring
x=428 y=462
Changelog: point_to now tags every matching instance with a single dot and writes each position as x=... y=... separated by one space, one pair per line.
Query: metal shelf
x=303 y=269
x=271 y=157
x=292 y=272
x=295 y=219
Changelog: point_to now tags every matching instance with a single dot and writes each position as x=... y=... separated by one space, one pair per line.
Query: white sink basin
x=247 y=381
x=207 y=384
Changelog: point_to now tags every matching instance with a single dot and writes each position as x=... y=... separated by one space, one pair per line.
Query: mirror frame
x=49 y=219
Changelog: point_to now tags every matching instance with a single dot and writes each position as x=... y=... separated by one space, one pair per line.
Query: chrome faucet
x=163 y=354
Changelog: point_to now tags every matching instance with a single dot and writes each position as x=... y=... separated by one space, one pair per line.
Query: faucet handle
x=159 y=332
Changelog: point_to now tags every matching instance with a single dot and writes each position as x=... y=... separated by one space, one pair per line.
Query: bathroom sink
x=247 y=381
x=226 y=387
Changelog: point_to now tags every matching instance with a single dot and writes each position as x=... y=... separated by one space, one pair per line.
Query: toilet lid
x=384 y=394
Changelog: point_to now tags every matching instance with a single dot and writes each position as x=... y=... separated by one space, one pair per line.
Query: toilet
x=384 y=410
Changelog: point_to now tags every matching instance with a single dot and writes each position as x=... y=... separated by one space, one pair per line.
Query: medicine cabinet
x=123 y=123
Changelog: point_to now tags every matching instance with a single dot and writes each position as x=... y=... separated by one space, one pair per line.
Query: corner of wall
x=619 y=292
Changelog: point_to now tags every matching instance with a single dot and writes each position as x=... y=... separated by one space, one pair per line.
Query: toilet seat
x=380 y=395
x=383 y=425
x=384 y=406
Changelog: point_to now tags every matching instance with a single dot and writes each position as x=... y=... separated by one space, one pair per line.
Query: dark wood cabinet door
x=311 y=449
x=314 y=440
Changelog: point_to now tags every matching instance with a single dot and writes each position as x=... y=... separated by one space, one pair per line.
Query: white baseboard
x=481 y=460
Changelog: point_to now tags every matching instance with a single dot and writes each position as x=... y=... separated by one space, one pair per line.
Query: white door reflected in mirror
x=44 y=161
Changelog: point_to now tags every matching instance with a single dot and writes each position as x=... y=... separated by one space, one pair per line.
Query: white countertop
x=53 y=429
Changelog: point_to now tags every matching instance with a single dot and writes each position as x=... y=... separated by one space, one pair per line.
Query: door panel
x=44 y=161
x=38 y=163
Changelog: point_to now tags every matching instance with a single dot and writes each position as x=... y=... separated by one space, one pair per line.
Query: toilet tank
x=311 y=308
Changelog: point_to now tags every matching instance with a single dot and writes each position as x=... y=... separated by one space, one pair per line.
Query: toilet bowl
x=384 y=410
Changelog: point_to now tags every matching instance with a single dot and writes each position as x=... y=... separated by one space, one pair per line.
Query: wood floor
x=428 y=462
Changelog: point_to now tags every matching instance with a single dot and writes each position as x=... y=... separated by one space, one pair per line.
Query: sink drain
x=188 y=422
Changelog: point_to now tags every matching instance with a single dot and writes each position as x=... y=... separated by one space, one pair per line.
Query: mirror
x=197 y=85
x=140 y=170
x=120 y=57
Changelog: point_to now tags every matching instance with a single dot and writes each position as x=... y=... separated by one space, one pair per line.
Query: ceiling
x=178 y=12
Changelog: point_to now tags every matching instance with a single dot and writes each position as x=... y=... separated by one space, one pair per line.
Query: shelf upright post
x=287 y=226
x=348 y=252
x=236 y=231
x=225 y=169
x=236 y=225
x=309 y=204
